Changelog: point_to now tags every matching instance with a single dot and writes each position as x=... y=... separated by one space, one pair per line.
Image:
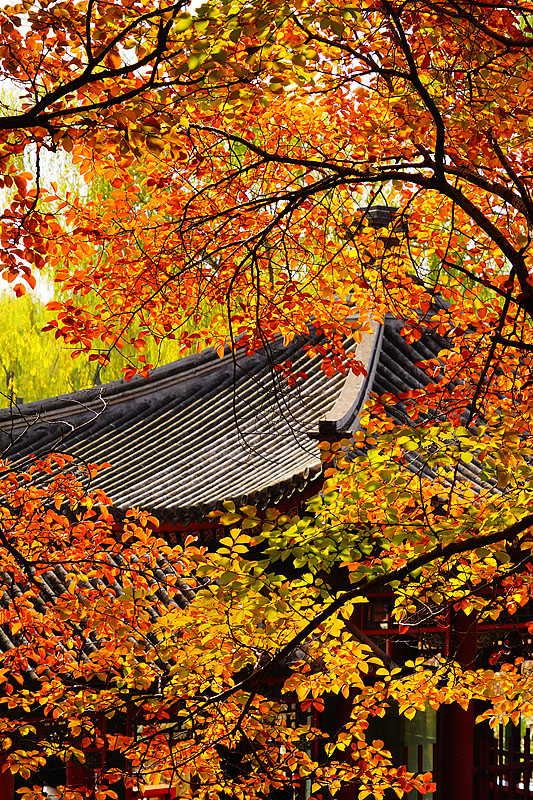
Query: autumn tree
x=250 y=147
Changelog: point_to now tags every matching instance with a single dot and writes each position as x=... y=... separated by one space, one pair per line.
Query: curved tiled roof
x=200 y=430
x=204 y=429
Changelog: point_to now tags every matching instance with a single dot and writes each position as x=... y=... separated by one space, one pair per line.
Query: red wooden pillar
x=456 y=726
x=344 y=707
x=128 y=778
x=7 y=783
x=79 y=776
x=342 y=717
x=401 y=649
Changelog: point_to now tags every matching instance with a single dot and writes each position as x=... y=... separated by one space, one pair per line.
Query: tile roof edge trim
x=355 y=389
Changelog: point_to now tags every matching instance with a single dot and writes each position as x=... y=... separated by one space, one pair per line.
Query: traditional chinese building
x=205 y=429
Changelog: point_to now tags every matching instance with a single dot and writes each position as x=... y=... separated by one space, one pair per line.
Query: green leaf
x=194 y=62
x=220 y=57
x=183 y=23
x=411 y=446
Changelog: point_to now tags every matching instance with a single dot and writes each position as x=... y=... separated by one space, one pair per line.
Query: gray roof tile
x=204 y=429
x=198 y=431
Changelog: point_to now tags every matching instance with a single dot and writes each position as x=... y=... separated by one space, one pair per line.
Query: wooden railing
x=504 y=766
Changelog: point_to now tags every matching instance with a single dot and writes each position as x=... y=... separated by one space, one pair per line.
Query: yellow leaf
x=249 y=511
x=229 y=519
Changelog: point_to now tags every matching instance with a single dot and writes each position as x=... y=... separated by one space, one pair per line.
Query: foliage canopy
x=244 y=144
